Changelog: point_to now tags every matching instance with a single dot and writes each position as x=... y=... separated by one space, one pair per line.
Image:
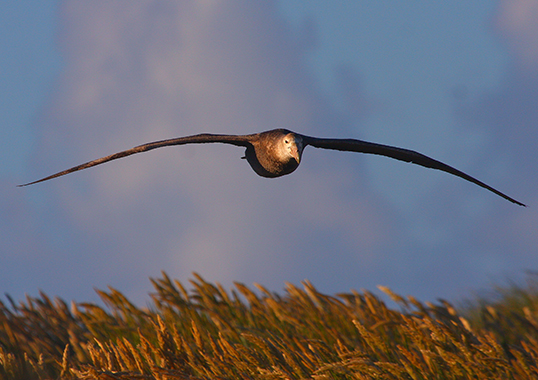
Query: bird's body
x=274 y=153
x=278 y=152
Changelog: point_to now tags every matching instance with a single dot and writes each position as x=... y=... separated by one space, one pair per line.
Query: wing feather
x=241 y=140
x=353 y=145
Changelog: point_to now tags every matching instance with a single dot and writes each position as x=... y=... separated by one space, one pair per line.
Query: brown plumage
x=278 y=152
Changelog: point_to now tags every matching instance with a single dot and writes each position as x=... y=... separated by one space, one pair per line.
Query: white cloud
x=517 y=22
x=146 y=70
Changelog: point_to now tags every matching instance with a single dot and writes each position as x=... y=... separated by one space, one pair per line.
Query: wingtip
x=512 y=199
x=31 y=183
x=516 y=202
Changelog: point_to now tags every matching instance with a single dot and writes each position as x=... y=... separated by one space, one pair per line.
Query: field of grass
x=211 y=333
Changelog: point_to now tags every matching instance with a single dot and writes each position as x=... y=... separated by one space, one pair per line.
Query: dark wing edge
x=196 y=139
x=353 y=145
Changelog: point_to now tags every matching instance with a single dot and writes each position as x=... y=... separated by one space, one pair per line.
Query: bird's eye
x=286 y=141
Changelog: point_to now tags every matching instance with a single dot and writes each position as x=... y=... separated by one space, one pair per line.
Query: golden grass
x=209 y=333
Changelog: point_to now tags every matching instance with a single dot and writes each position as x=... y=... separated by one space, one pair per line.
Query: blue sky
x=453 y=80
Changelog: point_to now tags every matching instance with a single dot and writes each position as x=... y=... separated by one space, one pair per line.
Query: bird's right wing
x=238 y=140
x=353 y=145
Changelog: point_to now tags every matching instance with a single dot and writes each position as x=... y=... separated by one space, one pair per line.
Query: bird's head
x=292 y=146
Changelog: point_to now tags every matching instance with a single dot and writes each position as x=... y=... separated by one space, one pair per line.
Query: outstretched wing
x=352 y=145
x=196 y=139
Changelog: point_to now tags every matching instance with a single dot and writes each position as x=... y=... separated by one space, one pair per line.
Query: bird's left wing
x=353 y=145
x=238 y=140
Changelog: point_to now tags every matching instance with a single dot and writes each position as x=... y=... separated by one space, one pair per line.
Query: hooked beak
x=297 y=150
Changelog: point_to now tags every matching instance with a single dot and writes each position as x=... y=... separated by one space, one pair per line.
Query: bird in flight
x=278 y=152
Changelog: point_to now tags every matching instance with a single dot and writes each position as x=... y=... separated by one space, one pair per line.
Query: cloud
x=140 y=71
x=148 y=70
x=507 y=118
x=515 y=21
